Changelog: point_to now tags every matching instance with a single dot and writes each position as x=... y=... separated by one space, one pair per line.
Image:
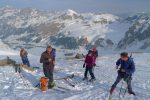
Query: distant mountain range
x=71 y=30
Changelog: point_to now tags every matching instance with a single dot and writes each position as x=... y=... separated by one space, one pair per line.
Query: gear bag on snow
x=44 y=84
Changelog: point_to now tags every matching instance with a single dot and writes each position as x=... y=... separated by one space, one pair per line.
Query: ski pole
x=23 y=79
x=69 y=83
x=127 y=80
x=120 y=89
x=125 y=91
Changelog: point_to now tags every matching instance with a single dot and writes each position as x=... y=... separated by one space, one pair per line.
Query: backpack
x=44 y=84
x=54 y=53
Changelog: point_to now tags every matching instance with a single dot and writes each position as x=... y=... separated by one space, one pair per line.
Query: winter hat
x=49 y=46
x=94 y=49
x=124 y=54
x=90 y=51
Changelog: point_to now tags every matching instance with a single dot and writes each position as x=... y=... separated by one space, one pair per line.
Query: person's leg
x=16 y=69
x=51 y=70
x=51 y=80
x=130 y=91
x=129 y=85
x=91 y=73
x=115 y=83
x=86 y=72
x=46 y=72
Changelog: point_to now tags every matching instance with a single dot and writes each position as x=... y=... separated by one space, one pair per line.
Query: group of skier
x=125 y=66
x=48 y=60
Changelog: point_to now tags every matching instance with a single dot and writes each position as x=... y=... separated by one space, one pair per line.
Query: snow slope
x=13 y=87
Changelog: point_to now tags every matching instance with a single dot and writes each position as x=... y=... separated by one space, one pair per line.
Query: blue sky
x=111 y=6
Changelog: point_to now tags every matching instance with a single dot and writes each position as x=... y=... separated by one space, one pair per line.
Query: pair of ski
x=56 y=88
x=122 y=93
x=59 y=88
x=67 y=80
x=120 y=97
x=88 y=81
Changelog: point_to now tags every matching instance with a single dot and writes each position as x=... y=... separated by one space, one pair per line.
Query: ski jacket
x=89 y=61
x=128 y=66
x=45 y=57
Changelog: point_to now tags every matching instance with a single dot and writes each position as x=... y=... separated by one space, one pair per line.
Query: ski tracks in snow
x=12 y=86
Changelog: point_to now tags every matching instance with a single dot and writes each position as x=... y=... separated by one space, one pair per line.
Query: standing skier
x=127 y=68
x=48 y=60
x=95 y=54
x=24 y=57
x=89 y=63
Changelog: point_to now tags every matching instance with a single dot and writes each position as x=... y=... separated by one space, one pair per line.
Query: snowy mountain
x=138 y=35
x=69 y=29
x=33 y=29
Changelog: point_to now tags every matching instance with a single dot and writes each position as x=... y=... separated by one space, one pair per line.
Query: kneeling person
x=24 y=57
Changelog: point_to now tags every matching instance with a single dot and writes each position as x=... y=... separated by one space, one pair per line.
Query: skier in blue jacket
x=126 y=68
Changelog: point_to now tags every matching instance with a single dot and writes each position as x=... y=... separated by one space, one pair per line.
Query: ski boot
x=51 y=85
x=85 y=78
x=131 y=93
x=92 y=79
x=112 y=90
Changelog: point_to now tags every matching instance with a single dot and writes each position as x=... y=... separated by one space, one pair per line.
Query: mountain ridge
x=71 y=30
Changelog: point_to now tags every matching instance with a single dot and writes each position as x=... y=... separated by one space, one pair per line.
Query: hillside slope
x=14 y=87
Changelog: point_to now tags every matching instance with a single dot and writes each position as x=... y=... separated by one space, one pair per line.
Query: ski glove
x=117 y=67
x=84 y=65
x=129 y=73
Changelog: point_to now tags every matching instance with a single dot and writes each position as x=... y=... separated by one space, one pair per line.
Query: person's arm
x=54 y=53
x=20 y=53
x=118 y=63
x=54 y=60
x=43 y=60
x=96 y=54
x=85 y=61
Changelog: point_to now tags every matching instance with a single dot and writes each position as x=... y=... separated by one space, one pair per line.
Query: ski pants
x=90 y=70
x=48 y=72
x=127 y=79
x=25 y=61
